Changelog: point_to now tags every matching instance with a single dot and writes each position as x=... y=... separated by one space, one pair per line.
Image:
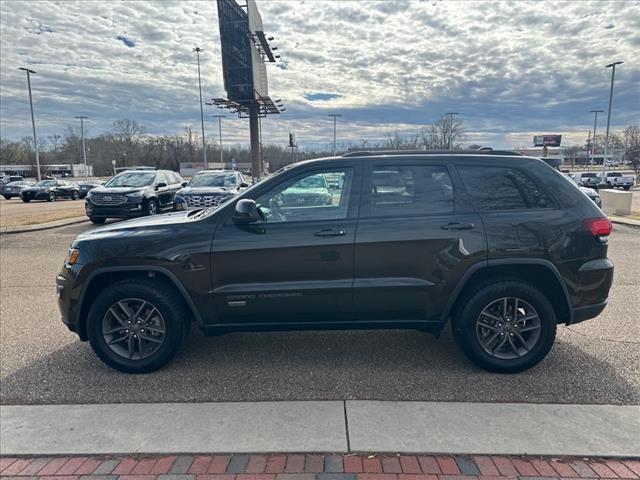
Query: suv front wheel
x=136 y=326
x=506 y=327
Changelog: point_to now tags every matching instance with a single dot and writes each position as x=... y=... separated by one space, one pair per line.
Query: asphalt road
x=41 y=362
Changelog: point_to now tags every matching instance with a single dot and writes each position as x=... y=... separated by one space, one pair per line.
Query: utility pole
x=198 y=50
x=220 y=117
x=33 y=121
x=606 y=136
x=84 y=152
x=334 y=115
x=449 y=140
x=595 y=124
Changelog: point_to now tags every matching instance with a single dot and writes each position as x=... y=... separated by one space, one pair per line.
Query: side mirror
x=244 y=185
x=246 y=212
x=184 y=184
x=161 y=185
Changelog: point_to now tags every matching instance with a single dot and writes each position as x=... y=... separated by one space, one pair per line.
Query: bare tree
x=443 y=134
x=128 y=133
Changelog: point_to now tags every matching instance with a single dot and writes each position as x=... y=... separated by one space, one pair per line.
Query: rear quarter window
x=503 y=188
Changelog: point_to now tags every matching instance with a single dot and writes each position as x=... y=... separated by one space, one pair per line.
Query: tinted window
x=213 y=180
x=410 y=190
x=162 y=178
x=132 y=179
x=310 y=196
x=498 y=188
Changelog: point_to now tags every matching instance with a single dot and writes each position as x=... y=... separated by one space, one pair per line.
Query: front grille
x=204 y=201
x=108 y=199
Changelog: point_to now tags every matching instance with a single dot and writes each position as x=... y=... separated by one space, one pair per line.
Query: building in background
x=63 y=170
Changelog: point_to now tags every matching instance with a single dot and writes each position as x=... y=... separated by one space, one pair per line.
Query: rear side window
x=398 y=190
x=502 y=188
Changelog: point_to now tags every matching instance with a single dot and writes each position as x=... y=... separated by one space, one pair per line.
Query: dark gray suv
x=501 y=246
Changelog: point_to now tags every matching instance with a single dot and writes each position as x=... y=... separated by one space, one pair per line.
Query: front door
x=296 y=264
x=414 y=242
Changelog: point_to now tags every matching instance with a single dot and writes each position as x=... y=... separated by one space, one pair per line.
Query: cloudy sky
x=510 y=69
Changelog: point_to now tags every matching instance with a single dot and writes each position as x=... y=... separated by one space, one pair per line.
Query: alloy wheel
x=133 y=328
x=152 y=208
x=508 y=328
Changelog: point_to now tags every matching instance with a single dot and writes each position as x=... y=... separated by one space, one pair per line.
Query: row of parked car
x=594 y=180
x=48 y=189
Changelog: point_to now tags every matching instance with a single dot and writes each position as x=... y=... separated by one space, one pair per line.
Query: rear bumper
x=580 y=314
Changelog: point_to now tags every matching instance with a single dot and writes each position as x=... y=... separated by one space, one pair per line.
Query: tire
x=51 y=197
x=7 y=197
x=97 y=220
x=626 y=187
x=75 y=196
x=152 y=207
x=26 y=200
x=468 y=333
x=170 y=311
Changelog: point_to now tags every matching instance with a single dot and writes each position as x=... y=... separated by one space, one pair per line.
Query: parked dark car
x=500 y=245
x=592 y=193
x=13 y=189
x=4 y=179
x=50 y=190
x=312 y=190
x=133 y=193
x=84 y=187
x=210 y=188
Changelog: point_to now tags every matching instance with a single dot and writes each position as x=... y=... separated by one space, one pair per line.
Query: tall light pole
x=606 y=136
x=595 y=124
x=33 y=121
x=449 y=142
x=198 y=50
x=84 y=152
x=220 y=117
x=334 y=115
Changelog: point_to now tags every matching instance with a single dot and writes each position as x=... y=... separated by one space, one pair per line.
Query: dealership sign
x=547 y=140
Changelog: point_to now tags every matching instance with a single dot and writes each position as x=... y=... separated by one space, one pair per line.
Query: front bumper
x=126 y=210
x=68 y=303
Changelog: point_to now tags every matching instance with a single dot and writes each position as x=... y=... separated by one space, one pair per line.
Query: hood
x=137 y=225
x=122 y=190
x=205 y=191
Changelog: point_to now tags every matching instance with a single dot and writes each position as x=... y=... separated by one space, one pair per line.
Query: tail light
x=599 y=227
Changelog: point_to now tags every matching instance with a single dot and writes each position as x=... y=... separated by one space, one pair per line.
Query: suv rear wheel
x=506 y=327
x=136 y=326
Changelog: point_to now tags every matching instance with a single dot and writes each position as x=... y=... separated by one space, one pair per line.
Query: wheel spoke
x=526 y=318
x=522 y=340
x=513 y=345
x=154 y=329
x=125 y=309
x=529 y=328
x=118 y=339
x=117 y=317
x=515 y=312
x=491 y=316
x=488 y=327
x=504 y=308
x=150 y=339
x=139 y=311
x=114 y=330
x=140 y=345
x=486 y=343
x=130 y=346
x=502 y=342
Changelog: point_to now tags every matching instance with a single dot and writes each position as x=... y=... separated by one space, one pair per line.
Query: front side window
x=502 y=188
x=308 y=197
x=398 y=190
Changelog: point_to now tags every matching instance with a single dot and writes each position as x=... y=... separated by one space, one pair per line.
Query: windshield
x=132 y=179
x=46 y=183
x=213 y=180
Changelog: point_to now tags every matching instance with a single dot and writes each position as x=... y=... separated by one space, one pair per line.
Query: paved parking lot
x=41 y=362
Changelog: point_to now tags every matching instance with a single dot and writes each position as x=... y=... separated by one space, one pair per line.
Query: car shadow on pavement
x=374 y=365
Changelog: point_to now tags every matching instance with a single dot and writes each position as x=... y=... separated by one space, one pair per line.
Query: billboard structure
x=547 y=140
x=245 y=51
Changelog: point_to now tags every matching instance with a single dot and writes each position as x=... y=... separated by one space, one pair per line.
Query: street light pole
x=334 y=115
x=606 y=136
x=451 y=114
x=84 y=152
x=220 y=117
x=593 y=143
x=204 y=142
x=33 y=121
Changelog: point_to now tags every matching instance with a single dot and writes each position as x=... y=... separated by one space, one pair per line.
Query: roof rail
x=373 y=153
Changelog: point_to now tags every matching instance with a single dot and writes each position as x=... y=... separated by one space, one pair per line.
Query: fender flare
x=497 y=262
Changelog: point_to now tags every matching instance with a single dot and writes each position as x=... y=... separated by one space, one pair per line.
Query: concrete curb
x=624 y=221
x=43 y=226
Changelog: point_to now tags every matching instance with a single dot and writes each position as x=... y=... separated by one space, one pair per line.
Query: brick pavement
x=314 y=467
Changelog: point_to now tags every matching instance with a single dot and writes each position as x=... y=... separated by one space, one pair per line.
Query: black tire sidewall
x=165 y=300
x=51 y=197
x=97 y=220
x=148 y=207
x=464 y=326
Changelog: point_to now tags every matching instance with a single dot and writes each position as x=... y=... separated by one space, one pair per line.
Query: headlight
x=72 y=256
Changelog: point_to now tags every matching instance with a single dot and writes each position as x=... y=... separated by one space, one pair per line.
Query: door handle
x=457 y=226
x=329 y=233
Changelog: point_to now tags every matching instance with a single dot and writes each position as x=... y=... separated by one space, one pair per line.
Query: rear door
x=416 y=238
